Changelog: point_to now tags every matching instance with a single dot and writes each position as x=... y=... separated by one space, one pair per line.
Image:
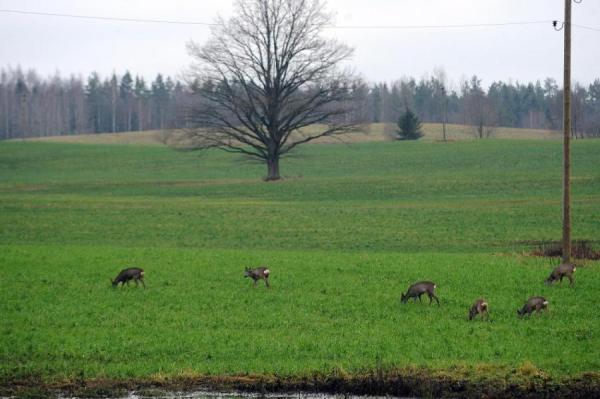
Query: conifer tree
x=409 y=126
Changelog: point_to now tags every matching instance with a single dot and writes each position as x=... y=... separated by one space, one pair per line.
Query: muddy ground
x=399 y=384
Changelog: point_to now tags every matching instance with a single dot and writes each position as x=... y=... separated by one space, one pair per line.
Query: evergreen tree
x=114 y=97
x=22 y=95
x=141 y=97
x=93 y=93
x=160 y=97
x=409 y=126
x=376 y=101
x=126 y=102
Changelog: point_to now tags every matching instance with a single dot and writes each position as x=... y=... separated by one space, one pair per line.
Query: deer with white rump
x=259 y=273
x=563 y=270
x=480 y=307
x=417 y=289
x=533 y=304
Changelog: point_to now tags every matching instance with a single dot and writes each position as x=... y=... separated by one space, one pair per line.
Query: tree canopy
x=265 y=76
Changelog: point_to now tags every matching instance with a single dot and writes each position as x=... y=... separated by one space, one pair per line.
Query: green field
x=345 y=232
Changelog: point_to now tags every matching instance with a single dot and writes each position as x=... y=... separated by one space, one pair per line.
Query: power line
x=156 y=21
x=437 y=26
x=366 y=27
x=586 y=27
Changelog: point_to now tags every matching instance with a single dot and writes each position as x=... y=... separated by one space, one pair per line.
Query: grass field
x=346 y=231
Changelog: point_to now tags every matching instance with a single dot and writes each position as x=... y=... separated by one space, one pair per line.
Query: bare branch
x=267 y=73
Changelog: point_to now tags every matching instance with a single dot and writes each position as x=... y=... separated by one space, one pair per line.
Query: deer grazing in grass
x=133 y=273
x=561 y=271
x=258 y=274
x=533 y=304
x=480 y=307
x=417 y=289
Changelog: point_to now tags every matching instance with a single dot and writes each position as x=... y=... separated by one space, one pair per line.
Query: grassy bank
x=344 y=233
x=371 y=132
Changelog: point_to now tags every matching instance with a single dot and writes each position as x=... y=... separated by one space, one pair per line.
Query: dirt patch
x=400 y=383
x=580 y=249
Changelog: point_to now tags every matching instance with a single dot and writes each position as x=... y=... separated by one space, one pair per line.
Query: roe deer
x=417 y=289
x=479 y=307
x=533 y=304
x=133 y=273
x=257 y=274
x=562 y=270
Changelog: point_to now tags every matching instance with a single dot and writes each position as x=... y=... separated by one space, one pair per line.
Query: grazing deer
x=133 y=273
x=533 y=304
x=562 y=270
x=480 y=307
x=258 y=274
x=417 y=289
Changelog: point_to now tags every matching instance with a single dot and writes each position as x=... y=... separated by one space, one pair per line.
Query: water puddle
x=239 y=395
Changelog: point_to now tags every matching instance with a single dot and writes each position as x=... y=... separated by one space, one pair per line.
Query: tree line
x=32 y=105
x=509 y=104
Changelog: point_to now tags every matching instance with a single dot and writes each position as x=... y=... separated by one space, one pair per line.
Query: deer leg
x=432 y=295
x=570 y=279
x=420 y=301
x=255 y=281
x=137 y=283
x=267 y=282
x=144 y=284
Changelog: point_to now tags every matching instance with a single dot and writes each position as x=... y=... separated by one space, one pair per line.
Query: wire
x=156 y=21
x=165 y=21
x=586 y=27
x=436 y=26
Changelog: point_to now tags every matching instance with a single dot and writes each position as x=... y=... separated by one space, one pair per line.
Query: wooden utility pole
x=566 y=252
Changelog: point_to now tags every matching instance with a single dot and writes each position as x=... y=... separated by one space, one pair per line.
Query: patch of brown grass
x=371 y=132
x=580 y=249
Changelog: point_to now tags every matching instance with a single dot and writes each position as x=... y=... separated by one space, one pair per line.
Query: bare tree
x=478 y=110
x=578 y=104
x=4 y=97
x=266 y=75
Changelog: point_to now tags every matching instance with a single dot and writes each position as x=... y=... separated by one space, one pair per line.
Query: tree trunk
x=273 y=170
x=140 y=126
x=129 y=118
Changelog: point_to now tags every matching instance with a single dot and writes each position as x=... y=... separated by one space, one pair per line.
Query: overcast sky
x=518 y=52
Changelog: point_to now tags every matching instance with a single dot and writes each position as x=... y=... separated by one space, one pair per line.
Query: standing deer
x=533 y=304
x=133 y=273
x=480 y=307
x=258 y=274
x=561 y=271
x=417 y=289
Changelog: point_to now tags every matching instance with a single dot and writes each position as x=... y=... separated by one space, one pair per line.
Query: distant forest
x=31 y=105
